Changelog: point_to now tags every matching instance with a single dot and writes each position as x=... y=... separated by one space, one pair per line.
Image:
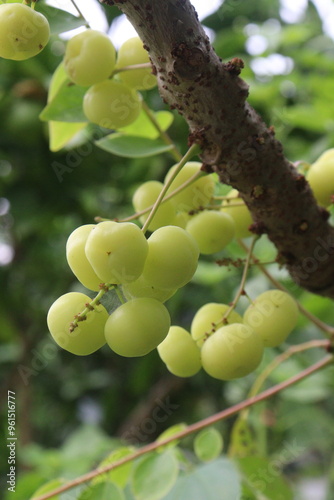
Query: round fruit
x=197 y=194
x=77 y=260
x=90 y=57
x=116 y=251
x=231 y=352
x=137 y=327
x=24 y=32
x=111 y=104
x=140 y=288
x=145 y=196
x=88 y=335
x=208 y=444
x=273 y=315
x=209 y=318
x=321 y=178
x=130 y=53
x=235 y=207
x=180 y=353
x=212 y=230
x=172 y=258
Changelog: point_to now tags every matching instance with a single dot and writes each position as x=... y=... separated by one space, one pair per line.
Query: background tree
x=46 y=195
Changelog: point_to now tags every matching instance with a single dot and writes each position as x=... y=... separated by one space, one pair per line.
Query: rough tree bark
x=235 y=142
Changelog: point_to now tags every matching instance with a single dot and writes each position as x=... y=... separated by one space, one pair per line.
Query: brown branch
x=235 y=142
x=229 y=412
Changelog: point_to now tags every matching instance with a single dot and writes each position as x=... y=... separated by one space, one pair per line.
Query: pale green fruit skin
x=111 y=104
x=232 y=352
x=88 y=336
x=180 y=353
x=90 y=58
x=321 y=178
x=213 y=312
x=273 y=315
x=240 y=214
x=137 y=327
x=145 y=196
x=24 y=32
x=130 y=53
x=77 y=260
x=140 y=288
x=208 y=444
x=172 y=258
x=116 y=251
x=212 y=230
x=198 y=194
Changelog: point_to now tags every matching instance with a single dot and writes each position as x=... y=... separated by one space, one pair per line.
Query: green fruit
x=111 y=104
x=116 y=251
x=273 y=315
x=208 y=319
x=172 y=258
x=77 y=260
x=130 y=53
x=232 y=352
x=180 y=353
x=321 y=178
x=197 y=194
x=137 y=327
x=145 y=196
x=23 y=31
x=212 y=230
x=235 y=207
x=88 y=336
x=90 y=57
x=140 y=288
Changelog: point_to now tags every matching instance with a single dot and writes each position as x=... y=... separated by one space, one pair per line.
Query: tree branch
x=235 y=142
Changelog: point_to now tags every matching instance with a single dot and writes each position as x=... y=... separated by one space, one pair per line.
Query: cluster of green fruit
x=213 y=227
x=226 y=345
x=321 y=178
x=23 y=31
x=148 y=271
x=112 y=100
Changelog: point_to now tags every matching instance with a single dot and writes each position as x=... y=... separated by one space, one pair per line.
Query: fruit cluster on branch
x=235 y=142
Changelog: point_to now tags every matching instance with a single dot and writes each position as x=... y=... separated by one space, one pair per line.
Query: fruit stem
x=80 y=13
x=328 y=330
x=131 y=67
x=192 y=151
x=119 y=294
x=277 y=361
x=192 y=428
x=90 y=306
x=164 y=136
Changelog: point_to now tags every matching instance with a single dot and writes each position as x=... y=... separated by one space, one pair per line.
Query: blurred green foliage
x=61 y=397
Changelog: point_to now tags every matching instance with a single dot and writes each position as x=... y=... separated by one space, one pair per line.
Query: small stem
x=119 y=294
x=164 y=136
x=192 y=151
x=328 y=330
x=277 y=361
x=80 y=13
x=206 y=422
x=90 y=306
x=132 y=67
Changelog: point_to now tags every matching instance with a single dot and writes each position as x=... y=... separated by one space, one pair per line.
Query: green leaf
x=242 y=440
x=102 y=491
x=218 y=479
x=132 y=146
x=121 y=474
x=154 y=475
x=208 y=444
x=66 y=106
x=263 y=478
x=47 y=487
x=143 y=127
x=59 y=20
x=174 y=429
